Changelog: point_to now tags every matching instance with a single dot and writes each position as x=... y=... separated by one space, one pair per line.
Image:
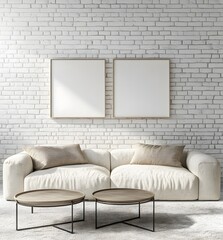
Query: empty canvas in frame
x=77 y=88
x=141 y=88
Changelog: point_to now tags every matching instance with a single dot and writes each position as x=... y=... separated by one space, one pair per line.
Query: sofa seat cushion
x=86 y=178
x=168 y=183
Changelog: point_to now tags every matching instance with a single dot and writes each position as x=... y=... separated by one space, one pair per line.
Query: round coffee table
x=124 y=196
x=49 y=198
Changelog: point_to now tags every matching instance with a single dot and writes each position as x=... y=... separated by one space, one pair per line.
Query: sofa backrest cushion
x=98 y=157
x=121 y=157
x=124 y=156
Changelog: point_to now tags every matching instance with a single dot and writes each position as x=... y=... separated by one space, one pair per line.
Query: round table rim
x=63 y=202
x=143 y=200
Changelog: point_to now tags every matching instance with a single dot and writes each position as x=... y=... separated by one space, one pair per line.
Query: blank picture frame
x=141 y=88
x=77 y=88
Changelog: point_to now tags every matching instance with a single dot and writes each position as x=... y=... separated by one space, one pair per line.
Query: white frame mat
x=141 y=88
x=77 y=88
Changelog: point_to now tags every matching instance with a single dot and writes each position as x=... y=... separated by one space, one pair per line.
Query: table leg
x=96 y=224
x=51 y=225
x=83 y=210
x=72 y=218
x=126 y=221
x=16 y=217
x=153 y=215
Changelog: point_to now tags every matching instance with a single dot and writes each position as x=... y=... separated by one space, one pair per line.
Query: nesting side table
x=49 y=198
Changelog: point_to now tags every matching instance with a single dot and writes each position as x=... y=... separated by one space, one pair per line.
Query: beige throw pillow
x=166 y=155
x=53 y=156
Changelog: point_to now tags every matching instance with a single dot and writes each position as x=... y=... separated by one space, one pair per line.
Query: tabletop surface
x=123 y=195
x=49 y=197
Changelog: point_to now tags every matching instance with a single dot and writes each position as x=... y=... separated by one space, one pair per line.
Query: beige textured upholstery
x=161 y=155
x=98 y=157
x=205 y=167
x=121 y=157
x=124 y=156
x=167 y=183
x=18 y=166
x=208 y=170
x=200 y=181
x=15 y=169
x=86 y=178
x=54 y=156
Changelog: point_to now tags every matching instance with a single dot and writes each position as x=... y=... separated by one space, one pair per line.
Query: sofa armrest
x=15 y=169
x=208 y=171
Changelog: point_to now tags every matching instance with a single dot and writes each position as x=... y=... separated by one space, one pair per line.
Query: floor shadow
x=172 y=221
x=163 y=222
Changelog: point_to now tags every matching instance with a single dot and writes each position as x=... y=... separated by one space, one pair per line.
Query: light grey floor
x=183 y=220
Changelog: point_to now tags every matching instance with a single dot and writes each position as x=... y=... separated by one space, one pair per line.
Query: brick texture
x=188 y=32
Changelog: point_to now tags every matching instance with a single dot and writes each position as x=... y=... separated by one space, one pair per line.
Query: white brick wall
x=188 y=32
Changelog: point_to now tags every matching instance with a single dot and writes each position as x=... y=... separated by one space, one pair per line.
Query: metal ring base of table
x=126 y=220
x=52 y=225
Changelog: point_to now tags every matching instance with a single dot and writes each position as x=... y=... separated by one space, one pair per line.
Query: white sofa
x=199 y=179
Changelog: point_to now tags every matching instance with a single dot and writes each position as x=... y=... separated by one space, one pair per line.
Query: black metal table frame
x=126 y=220
x=54 y=224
